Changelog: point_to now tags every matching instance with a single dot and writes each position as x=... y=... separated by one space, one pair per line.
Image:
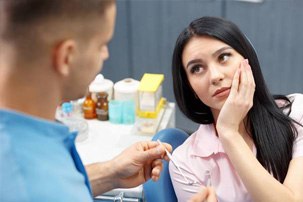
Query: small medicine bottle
x=89 y=107
x=67 y=109
x=102 y=106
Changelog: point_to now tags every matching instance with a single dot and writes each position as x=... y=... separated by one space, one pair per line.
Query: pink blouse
x=202 y=158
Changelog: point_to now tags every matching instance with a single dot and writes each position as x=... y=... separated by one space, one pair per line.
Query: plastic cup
x=115 y=108
x=128 y=112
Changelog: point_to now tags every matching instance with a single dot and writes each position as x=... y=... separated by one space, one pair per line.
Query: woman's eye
x=196 y=69
x=224 y=57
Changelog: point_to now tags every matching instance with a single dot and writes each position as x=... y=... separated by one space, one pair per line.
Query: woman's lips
x=222 y=92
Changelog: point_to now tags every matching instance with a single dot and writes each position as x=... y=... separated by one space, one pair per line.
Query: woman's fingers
x=243 y=79
x=249 y=86
x=235 y=83
x=246 y=84
x=251 y=82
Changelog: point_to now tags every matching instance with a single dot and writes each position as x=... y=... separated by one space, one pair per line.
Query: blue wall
x=146 y=31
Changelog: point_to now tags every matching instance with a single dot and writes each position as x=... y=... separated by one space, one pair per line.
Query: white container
x=126 y=89
x=100 y=84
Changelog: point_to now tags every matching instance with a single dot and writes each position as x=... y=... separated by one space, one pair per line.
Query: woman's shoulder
x=296 y=101
x=181 y=150
x=192 y=143
x=297 y=106
x=186 y=147
x=297 y=115
x=296 y=97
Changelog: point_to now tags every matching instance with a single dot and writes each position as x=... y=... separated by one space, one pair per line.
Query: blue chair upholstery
x=162 y=190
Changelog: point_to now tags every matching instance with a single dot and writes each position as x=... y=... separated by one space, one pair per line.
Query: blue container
x=128 y=114
x=115 y=109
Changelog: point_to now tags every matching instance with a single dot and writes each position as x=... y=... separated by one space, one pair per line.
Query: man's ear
x=63 y=56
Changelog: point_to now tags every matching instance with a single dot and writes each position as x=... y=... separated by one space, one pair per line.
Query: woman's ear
x=64 y=56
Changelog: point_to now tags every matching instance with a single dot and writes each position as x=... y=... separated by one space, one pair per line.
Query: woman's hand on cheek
x=239 y=101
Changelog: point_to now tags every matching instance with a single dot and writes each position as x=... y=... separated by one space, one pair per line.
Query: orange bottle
x=89 y=107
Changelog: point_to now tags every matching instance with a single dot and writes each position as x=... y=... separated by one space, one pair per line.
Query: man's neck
x=34 y=96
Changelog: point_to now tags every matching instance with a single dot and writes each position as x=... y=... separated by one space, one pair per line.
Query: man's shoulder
x=10 y=175
x=37 y=162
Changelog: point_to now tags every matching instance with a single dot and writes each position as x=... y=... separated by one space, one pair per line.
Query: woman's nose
x=216 y=75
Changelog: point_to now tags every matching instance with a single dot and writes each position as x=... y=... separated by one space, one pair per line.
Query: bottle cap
x=100 y=84
x=126 y=86
x=67 y=107
x=102 y=95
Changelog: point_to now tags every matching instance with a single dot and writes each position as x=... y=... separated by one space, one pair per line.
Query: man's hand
x=138 y=163
x=207 y=194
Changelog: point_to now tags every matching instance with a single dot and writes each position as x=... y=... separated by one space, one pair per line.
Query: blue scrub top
x=39 y=161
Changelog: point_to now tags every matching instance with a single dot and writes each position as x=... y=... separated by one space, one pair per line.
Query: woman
x=249 y=145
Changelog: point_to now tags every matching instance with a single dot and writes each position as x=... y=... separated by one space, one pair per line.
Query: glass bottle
x=89 y=107
x=102 y=106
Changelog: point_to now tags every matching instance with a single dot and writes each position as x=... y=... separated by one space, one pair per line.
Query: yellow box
x=150 y=95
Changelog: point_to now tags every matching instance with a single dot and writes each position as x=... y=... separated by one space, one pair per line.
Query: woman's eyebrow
x=217 y=52
x=193 y=62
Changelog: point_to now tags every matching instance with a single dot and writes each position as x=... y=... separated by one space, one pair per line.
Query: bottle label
x=101 y=112
x=87 y=108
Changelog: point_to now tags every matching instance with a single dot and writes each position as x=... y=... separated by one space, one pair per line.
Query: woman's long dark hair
x=272 y=131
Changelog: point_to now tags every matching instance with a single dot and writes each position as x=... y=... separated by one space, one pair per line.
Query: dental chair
x=162 y=190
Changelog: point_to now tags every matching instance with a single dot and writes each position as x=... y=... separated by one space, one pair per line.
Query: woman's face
x=210 y=66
